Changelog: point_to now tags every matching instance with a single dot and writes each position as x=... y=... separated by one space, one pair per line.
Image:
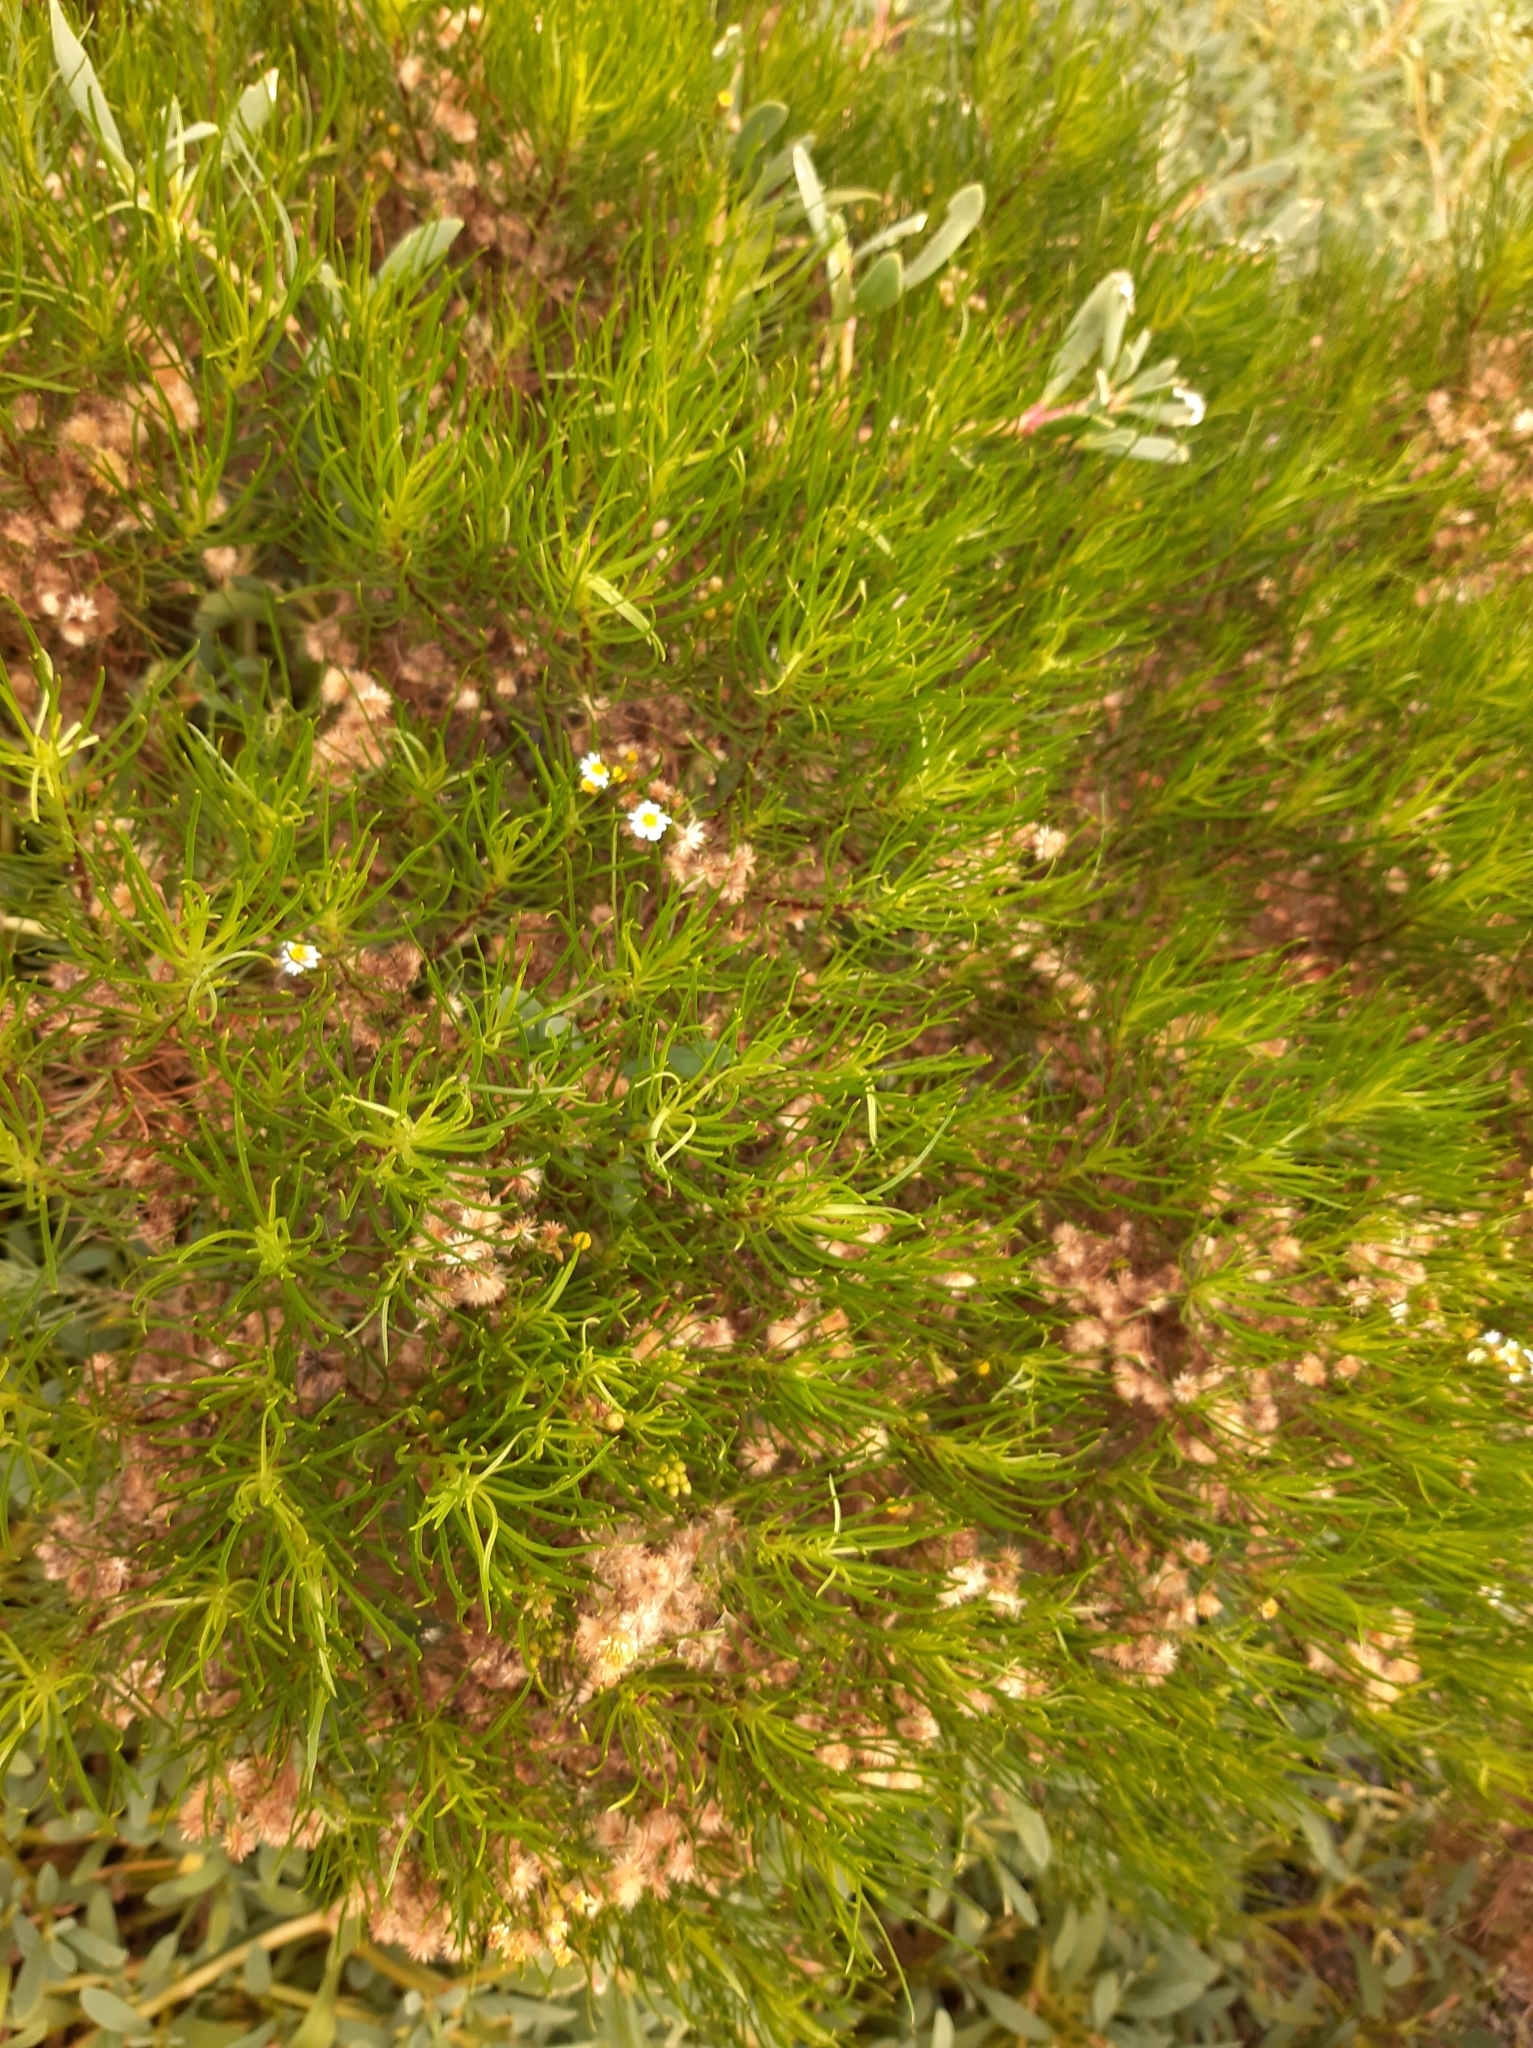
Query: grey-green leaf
x=1077 y=1944
x=965 y=210
x=810 y=190
x=1159 y=2001
x=317 y=2027
x=881 y=286
x=1032 y=1832
x=62 y=1961
x=29 y=1986
x=1097 y=329
x=256 y=106
x=1141 y=447
x=176 y=1890
x=84 y=89
x=101 y=1914
x=1011 y=2014
x=1185 y=1973
x=777 y=170
x=114 y=2013
x=1155 y=448
x=160 y=1960
x=1105 y=1996
x=1019 y=1899
x=1317 y=1832
x=886 y=238
x=760 y=126
x=106 y=1955
x=412 y=259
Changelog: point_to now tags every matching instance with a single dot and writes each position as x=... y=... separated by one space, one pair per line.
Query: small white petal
x=1194 y=401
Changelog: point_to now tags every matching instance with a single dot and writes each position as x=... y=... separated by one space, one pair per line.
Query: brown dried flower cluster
x=78 y=482
x=1485 y=434
x=91 y=1552
x=357 y=739
x=652 y=1850
x=650 y=1600
x=1129 y=1320
x=693 y=863
x=253 y=1802
x=1152 y=1605
x=444 y=166
x=1053 y=964
x=1382 y=1661
x=973 y=1577
x=1391 y=1271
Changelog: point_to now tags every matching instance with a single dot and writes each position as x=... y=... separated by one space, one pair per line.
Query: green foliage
x=735 y=1096
x=1371 y=1921
x=1389 y=123
x=1355 y=1926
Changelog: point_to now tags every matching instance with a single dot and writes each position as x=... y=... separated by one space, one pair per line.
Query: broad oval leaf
x=1156 y=448
x=30 y=1985
x=1159 y=2001
x=256 y=105
x=84 y=89
x=1031 y=1831
x=965 y=210
x=1015 y=2017
x=760 y=126
x=811 y=191
x=777 y=169
x=886 y=238
x=114 y=2013
x=412 y=260
x=882 y=285
x=106 y=1955
x=1105 y=1996
x=1096 y=329
x=191 y=1885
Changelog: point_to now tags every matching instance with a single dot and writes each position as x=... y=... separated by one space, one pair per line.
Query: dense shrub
x=746 y=1088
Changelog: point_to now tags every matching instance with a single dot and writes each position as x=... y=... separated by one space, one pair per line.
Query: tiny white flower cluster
x=1517 y=1359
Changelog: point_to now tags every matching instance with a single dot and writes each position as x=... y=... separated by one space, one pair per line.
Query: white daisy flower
x=594 y=773
x=297 y=956
x=648 y=821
